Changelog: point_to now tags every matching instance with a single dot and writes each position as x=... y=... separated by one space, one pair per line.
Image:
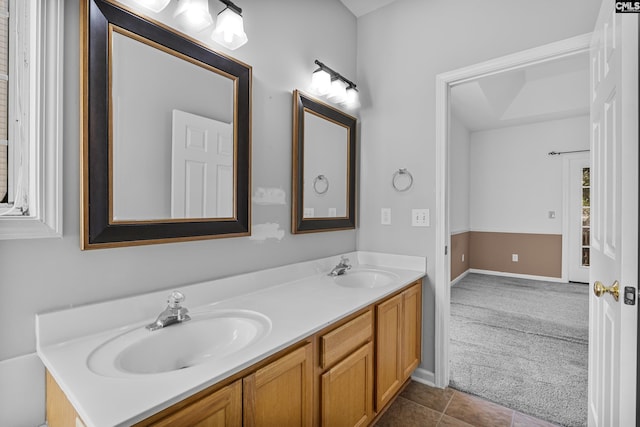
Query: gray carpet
x=522 y=344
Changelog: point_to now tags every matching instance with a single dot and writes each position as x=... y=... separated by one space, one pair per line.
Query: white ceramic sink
x=206 y=337
x=366 y=278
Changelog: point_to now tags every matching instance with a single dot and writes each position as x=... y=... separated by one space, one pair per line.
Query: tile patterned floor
x=422 y=406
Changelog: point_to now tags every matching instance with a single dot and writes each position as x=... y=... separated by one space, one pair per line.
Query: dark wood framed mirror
x=324 y=167
x=166 y=134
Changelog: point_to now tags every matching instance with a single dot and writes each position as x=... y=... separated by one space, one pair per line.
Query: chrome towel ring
x=402 y=180
x=320 y=184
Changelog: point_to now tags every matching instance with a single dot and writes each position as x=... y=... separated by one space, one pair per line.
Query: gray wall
x=401 y=48
x=49 y=274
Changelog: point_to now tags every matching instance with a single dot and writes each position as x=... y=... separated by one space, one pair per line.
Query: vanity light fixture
x=229 y=30
x=193 y=14
x=156 y=6
x=339 y=89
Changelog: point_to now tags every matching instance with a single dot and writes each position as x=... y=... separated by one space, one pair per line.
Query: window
x=31 y=40
x=586 y=216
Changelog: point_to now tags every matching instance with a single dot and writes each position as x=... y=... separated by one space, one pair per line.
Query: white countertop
x=299 y=299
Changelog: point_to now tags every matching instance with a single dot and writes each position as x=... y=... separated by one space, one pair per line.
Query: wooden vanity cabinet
x=281 y=393
x=346 y=381
x=411 y=330
x=222 y=408
x=278 y=393
x=326 y=380
x=398 y=342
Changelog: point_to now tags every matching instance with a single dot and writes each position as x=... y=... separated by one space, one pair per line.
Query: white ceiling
x=552 y=90
x=549 y=91
x=362 y=7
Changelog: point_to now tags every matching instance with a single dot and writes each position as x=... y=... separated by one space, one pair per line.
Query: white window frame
x=40 y=119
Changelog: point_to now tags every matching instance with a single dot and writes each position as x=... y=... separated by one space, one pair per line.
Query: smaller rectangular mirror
x=324 y=166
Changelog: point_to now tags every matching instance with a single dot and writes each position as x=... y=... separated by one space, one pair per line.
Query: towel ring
x=320 y=184
x=398 y=179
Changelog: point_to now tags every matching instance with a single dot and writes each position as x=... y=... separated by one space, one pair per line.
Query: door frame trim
x=444 y=82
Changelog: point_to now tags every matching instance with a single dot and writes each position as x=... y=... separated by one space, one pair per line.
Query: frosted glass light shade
x=229 y=30
x=320 y=82
x=352 y=100
x=193 y=15
x=338 y=92
x=154 y=5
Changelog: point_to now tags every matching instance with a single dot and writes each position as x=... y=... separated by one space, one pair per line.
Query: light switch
x=385 y=216
x=420 y=217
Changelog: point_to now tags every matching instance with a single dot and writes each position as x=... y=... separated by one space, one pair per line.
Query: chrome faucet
x=174 y=313
x=341 y=268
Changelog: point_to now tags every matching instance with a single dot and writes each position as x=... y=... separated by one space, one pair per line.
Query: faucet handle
x=175 y=299
x=344 y=260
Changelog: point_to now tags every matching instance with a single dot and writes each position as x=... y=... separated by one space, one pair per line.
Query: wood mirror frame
x=98 y=230
x=299 y=223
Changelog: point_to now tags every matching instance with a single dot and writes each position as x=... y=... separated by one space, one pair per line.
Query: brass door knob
x=599 y=289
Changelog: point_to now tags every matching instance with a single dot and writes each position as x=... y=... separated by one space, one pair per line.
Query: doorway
x=554 y=51
x=511 y=137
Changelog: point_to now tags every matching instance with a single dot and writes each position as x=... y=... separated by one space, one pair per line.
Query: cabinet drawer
x=338 y=343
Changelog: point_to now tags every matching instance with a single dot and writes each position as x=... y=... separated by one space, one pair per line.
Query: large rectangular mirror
x=324 y=172
x=166 y=134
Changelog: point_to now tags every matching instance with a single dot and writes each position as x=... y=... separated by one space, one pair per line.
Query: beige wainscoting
x=460 y=254
x=538 y=254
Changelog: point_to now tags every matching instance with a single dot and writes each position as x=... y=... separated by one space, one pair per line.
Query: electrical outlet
x=420 y=217
x=385 y=216
x=514 y=257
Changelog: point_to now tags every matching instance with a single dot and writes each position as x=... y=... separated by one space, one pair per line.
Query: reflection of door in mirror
x=201 y=167
x=326 y=164
x=149 y=82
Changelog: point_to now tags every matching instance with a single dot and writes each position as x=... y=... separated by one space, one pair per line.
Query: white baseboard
x=516 y=275
x=22 y=391
x=460 y=231
x=424 y=377
x=460 y=277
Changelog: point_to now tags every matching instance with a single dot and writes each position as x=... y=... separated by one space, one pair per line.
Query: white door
x=202 y=167
x=614 y=234
x=579 y=218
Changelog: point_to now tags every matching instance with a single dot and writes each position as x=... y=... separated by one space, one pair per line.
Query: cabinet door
x=347 y=390
x=220 y=409
x=281 y=393
x=411 y=329
x=388 y=344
